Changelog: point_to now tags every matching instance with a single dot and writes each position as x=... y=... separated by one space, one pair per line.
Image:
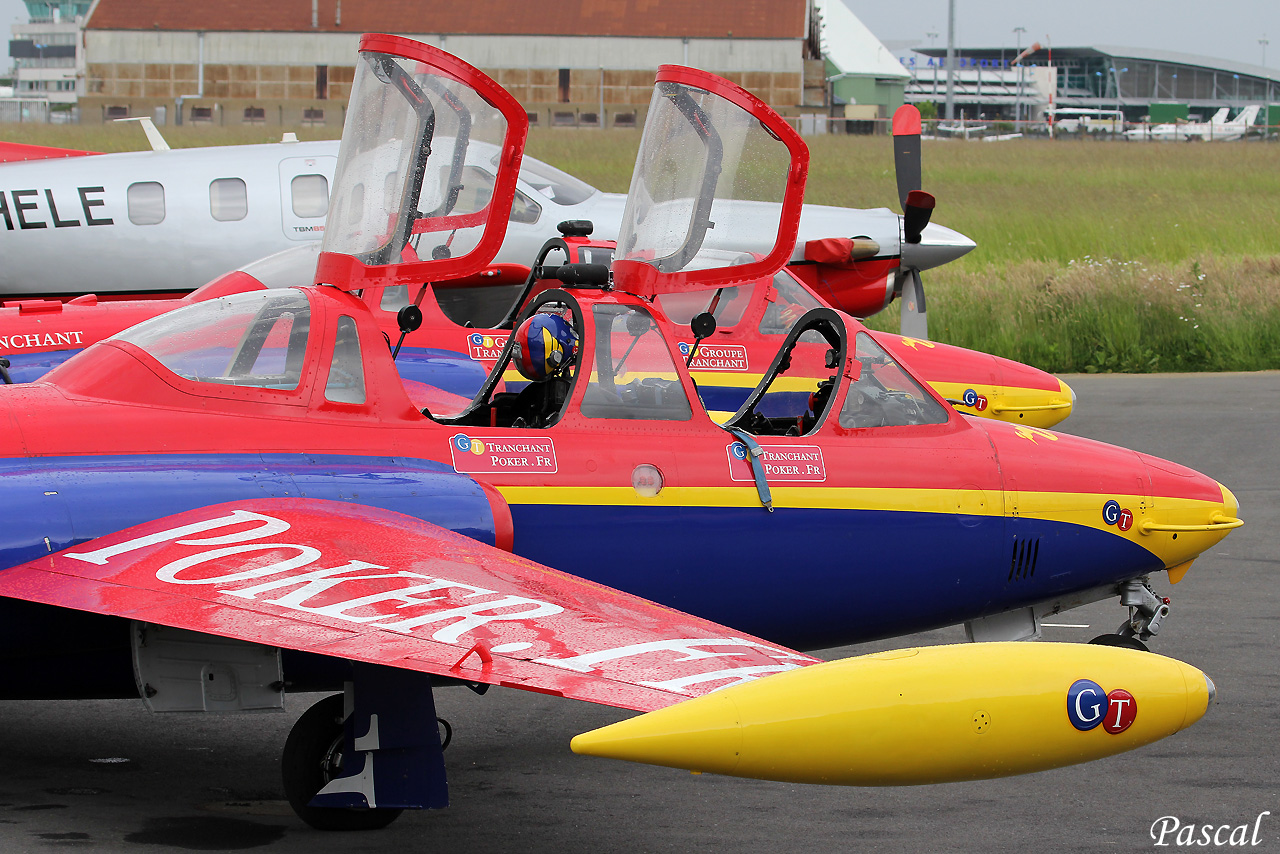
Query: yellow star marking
x=1032 y=432
x=915 y=343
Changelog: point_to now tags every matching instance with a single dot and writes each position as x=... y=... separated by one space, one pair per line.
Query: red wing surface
x=371 y=585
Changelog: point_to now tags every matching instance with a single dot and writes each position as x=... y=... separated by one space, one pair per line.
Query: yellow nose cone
x=928 y=715
x=708 y=738
x=1230 y=506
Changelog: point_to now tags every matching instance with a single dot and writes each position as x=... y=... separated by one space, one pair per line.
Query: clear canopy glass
x=885 y=395
x=400 y=191
x=253 y=339
x=709 y=176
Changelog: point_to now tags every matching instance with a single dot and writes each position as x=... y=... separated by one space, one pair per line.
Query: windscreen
x=884 y=395
x=254 y=339
x=708 y=176
x=400 y=192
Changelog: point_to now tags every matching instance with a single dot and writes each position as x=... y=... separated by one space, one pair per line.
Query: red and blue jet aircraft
x=239 y=497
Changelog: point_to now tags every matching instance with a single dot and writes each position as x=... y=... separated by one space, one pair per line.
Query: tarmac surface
x=108 y=776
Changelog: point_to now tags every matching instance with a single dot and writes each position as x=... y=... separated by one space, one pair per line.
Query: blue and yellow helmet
x=544 y=345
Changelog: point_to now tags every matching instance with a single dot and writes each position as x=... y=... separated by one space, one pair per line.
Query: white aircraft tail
x=1219 y=117
x=154 y=136
x=1247 y=117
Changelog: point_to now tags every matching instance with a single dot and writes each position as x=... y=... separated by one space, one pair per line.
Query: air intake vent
x=1023 y=563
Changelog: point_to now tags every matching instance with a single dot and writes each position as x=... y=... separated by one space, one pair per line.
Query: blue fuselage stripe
x=818 y=578
x=808 y=578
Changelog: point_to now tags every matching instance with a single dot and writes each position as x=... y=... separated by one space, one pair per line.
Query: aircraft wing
x=370 y=585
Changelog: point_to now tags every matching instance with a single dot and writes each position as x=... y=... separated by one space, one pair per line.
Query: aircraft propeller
x=917 y=208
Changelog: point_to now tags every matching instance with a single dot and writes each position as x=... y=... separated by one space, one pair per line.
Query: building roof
x=851 y=47
x=718 y=19
x=1149 y=55
x=1142 y=54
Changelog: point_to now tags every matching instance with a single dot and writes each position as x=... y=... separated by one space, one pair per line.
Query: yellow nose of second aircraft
x=1178 y=530
x=926 y=715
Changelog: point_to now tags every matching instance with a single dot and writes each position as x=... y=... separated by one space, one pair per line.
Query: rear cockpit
x=407 y=207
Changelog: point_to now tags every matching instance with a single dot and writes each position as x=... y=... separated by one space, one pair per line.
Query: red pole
x=1053 y=86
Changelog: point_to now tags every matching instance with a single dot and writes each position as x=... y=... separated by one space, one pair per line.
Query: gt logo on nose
x=972 y=398
x=1114 y=514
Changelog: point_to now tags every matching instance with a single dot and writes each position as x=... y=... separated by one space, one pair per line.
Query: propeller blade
x=916 y=213
x=915 y=318
x=906 y=150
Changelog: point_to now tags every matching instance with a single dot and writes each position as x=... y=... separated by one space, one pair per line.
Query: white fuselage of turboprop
x=171 y=220
x=156 y=221
x=1217 y=129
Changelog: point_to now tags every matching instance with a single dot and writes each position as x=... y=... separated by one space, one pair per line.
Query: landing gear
x=1147 y=612
x=312 y=757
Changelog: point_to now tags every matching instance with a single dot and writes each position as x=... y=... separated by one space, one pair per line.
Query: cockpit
x=606 y=349
x=620 y=357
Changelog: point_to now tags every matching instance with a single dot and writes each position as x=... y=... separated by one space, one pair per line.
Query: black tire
x=312 y=757
x=1121 y=641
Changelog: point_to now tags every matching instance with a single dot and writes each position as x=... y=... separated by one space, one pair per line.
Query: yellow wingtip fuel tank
x=924 y=715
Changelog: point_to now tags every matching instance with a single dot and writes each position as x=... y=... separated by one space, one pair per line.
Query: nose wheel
x=1147 y=613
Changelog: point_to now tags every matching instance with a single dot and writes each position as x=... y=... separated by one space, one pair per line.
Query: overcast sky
x=9 y=11
x=1225 y=29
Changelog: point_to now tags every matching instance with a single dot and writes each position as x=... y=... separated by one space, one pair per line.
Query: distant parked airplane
x=1217 y=129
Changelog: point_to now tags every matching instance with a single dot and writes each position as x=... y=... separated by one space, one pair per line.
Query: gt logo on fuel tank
x=1114 y=514
x=1088 y=706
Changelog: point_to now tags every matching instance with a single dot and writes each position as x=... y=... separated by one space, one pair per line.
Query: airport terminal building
x=47 y=51
x=1131 y=80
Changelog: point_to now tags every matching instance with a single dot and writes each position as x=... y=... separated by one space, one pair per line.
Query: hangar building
x=572 y=63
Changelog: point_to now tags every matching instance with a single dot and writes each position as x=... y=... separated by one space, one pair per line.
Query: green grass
x=1091 y=255
x=1105 y=256
x=1062 y=200
x=1222 y=314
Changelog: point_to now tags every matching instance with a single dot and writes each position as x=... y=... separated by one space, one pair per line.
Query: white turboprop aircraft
x=151 y=222
x=1217 y=129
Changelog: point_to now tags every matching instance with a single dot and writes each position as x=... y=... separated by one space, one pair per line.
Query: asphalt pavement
x=108 y=776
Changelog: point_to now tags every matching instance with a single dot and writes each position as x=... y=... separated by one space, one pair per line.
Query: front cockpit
x=256 y=339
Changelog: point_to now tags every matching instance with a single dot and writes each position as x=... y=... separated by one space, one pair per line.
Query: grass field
x=1091 y=255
